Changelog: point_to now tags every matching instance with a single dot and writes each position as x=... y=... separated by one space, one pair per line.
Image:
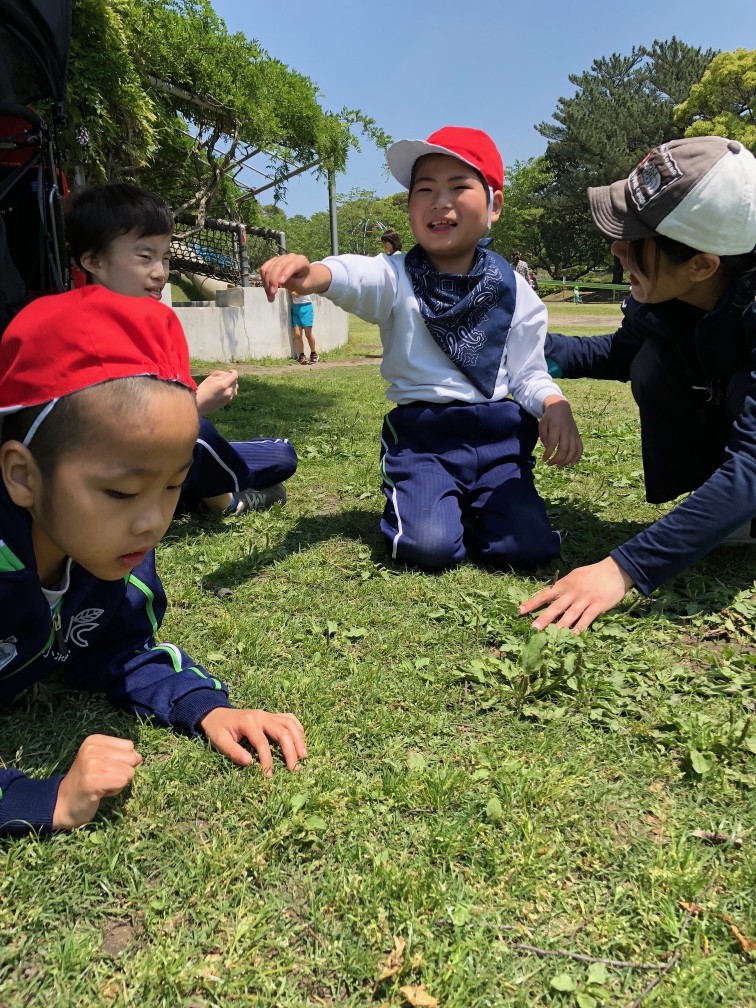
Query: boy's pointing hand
x=227 y=727
x=283 y=271
x=296 y=273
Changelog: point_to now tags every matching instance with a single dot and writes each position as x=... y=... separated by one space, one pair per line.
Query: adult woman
x=684 y=227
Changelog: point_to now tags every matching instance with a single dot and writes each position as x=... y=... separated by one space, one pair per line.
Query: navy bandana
x=468 y=316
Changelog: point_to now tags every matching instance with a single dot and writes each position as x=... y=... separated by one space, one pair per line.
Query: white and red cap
x=472 y=146
x=700 y=191
x=64 y=343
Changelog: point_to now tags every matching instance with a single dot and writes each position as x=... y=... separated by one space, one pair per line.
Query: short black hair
x=67 y=428
x=98 y=214
x=393 y=239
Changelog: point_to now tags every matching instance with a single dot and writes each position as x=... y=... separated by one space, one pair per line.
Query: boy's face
x=109 y=503
x=448 y=211
x=132 y=265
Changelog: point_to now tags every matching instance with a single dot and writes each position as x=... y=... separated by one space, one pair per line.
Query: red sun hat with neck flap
x=64 y=343
x=472 y=146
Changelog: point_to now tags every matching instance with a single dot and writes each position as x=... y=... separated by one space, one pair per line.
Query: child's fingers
x=284 y=729
x=290 y=738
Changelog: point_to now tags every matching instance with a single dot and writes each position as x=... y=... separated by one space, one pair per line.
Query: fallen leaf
x=418 y=996
x=394 y=961
x=747 y=944
x=694 y=909
x=717 y=838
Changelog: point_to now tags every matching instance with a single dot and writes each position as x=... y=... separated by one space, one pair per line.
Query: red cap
x=64 y=343
x=472 y=146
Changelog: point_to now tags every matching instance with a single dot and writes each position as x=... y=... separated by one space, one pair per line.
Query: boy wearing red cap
x=99 y=422
x=463 y=355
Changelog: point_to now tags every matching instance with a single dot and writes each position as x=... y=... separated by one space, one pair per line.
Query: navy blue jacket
x=725 y=340
x=102 y=635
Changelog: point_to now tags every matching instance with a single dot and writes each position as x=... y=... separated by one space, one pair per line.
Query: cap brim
x=402 y=155
x=611 y=215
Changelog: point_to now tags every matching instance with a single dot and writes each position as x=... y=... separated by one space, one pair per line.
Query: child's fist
x=559 y=434
x=103 y=766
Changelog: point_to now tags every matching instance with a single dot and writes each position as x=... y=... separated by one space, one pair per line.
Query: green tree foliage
x=623 y=106
x=723 y=103
x=518 y=226
x=192 y=151
x=361 y=220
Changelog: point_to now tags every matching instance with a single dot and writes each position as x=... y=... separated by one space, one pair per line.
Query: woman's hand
x=575 y=600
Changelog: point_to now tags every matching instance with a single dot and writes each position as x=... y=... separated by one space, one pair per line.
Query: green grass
x=472 y=786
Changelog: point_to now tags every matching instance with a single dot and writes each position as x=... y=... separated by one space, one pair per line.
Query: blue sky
x=416 y=65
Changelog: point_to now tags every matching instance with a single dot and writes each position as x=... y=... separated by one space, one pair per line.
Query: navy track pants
x=221 y=466
x=458 y=477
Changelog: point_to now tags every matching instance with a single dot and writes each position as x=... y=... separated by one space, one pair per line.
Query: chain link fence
x=223 y=250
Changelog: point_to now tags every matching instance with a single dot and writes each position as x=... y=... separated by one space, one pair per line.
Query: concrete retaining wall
x=243 y=325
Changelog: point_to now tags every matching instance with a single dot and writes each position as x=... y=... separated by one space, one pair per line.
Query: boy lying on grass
x=99 y=423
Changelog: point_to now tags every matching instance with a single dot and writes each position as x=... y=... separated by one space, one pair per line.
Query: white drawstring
x=37 y=423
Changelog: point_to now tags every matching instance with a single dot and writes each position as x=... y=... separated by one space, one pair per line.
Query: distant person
x=302 y=318
x=120 y=235
x=99 y=422
x=519 y=265
x=576 y=295
x=462 y=335
x=684 y=227
x=391 y=242
x=533 y=280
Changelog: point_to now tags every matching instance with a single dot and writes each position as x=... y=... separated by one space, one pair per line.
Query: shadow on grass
x=265 y=408
x=708 y=586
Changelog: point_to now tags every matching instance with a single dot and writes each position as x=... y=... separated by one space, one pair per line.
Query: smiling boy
x=99 y=423
x=463 y=357
x=120 y=234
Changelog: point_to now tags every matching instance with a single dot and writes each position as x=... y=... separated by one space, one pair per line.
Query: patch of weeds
x=711 y=743
x=333 y=440
x=549 y=665
x=486 y=614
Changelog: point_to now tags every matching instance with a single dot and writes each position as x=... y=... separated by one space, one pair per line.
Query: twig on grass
x=616 y=963
x=677 y=954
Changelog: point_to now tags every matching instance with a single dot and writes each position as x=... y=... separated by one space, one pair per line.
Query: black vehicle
x=35 y=37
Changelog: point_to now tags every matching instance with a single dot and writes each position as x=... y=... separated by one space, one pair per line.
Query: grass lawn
x=488 y=816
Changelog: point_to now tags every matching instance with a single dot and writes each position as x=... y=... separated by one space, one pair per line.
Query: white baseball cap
x=700 y=191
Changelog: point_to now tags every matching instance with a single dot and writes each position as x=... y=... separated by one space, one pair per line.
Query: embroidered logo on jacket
x=81 y=624
x=7 y=651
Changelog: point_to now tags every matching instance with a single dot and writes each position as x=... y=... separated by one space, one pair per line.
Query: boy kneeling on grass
x=463 y=338
x=99 y=423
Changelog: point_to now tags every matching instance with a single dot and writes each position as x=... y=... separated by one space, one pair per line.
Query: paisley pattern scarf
x=468 y=316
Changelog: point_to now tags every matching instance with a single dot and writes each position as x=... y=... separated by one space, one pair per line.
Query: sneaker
x=743 y=536
x=303 y=359
x=257 y=500
x=314 y=358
